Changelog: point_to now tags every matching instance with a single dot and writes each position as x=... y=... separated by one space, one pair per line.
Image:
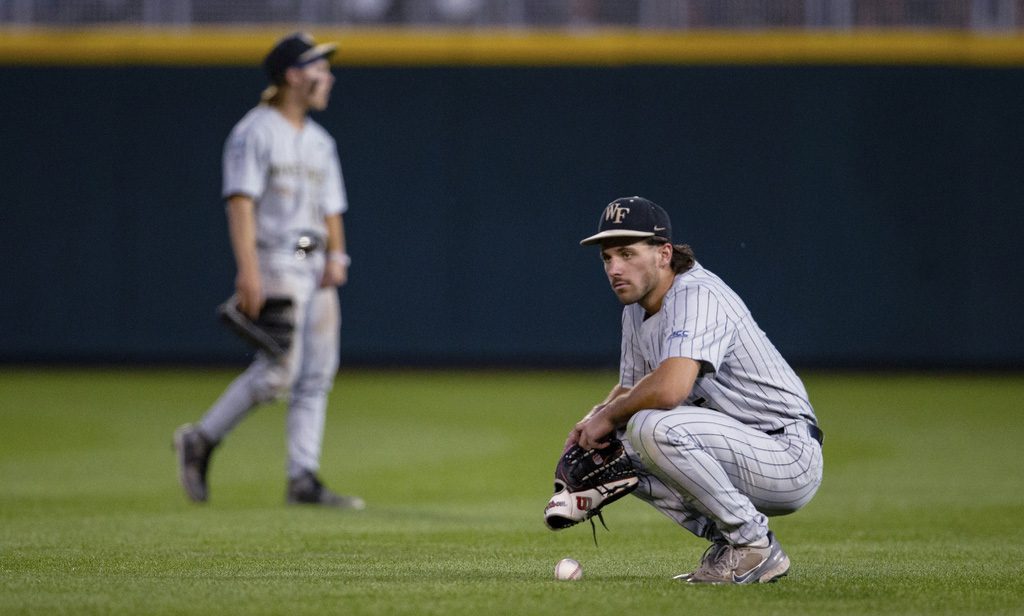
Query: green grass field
x=920 y=511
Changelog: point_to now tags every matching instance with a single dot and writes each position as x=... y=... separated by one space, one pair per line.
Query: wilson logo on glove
x=586 y=481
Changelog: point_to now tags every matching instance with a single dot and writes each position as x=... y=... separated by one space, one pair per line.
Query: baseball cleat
x=709 y=555
x=728 y=564
x=307 y=489
x=193 y=461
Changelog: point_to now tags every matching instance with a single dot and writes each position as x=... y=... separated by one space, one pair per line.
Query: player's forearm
x=616 y=391
x=335 y=234
x=336 y=268
x=242 y=231
x=665 y=388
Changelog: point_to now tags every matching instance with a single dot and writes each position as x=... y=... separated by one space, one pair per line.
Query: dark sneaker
x=306 y=489
x=742 y=564
x=193 y=461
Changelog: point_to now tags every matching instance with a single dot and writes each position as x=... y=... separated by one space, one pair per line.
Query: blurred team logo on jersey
x=679 y=333
x=313 y=174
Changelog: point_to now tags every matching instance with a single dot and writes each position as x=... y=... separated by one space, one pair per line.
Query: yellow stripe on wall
x=604 y=47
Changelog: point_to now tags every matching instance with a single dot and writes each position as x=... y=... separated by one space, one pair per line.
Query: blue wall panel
x=868 y=215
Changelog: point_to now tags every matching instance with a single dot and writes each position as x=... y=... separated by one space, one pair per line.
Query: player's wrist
x=613 y=415
x=339 y=257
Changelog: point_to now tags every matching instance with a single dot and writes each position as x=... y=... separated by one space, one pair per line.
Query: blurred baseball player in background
x=285 y=199
x=715 y=419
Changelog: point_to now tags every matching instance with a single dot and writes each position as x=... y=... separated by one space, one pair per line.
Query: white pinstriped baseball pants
x=305 y=373
x=720 y=478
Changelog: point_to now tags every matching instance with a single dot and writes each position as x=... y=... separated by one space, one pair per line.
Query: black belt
x=812 y=430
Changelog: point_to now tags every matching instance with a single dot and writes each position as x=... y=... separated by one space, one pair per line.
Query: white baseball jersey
x=294 y=176
x=742 y=374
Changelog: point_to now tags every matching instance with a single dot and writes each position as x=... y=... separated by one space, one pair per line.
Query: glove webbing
x=609 y=471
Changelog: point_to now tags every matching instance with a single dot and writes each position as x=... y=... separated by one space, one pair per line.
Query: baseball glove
x=586 y=480
x=271 y=332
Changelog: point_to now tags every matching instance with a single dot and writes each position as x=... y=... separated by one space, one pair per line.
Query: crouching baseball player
x=716 y=423
x=285 y=199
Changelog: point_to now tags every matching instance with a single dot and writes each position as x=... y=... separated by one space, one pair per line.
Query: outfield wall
x=867 y=209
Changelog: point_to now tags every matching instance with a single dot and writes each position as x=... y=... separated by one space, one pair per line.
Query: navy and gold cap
x=298 y=49
x=634 y=217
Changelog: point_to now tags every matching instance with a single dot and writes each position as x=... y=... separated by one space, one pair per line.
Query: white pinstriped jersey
x=742 y=374
x=294 y=176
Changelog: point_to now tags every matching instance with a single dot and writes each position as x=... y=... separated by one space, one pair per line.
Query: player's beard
x=632 y=291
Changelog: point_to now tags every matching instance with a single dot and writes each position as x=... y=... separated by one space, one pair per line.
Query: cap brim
x=323 y=50
x=604 y=235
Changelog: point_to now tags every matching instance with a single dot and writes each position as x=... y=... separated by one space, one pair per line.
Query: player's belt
x=306 y=244
x=812 y=430
x=303 y=245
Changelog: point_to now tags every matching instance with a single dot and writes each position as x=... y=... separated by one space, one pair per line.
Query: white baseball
x=568 y=569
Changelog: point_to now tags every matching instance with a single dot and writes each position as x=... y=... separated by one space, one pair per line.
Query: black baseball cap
x=632 y=217
x=298 y=49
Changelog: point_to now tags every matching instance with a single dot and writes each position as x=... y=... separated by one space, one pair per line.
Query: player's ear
x=293 y=76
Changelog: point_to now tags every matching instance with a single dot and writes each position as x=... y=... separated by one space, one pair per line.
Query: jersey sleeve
x=631 y=361
x=698 y=327
x=335 y=200
x=246 y=160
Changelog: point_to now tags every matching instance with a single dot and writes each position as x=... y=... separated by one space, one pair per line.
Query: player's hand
x=592 y=432
x=249 y=288
x=335 y=274
x=574 y=434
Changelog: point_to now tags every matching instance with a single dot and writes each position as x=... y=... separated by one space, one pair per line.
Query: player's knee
x=312 y=387
x=644 y=431
x=319 y=380
x=650 y=432
x=270 y=392
x=635 y=429
x=274 y=384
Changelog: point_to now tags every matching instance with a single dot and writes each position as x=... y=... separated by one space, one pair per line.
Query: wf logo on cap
x=631 y=217
x=615 y=212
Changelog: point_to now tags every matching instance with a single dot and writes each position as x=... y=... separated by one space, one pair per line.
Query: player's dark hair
x=682 y=255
